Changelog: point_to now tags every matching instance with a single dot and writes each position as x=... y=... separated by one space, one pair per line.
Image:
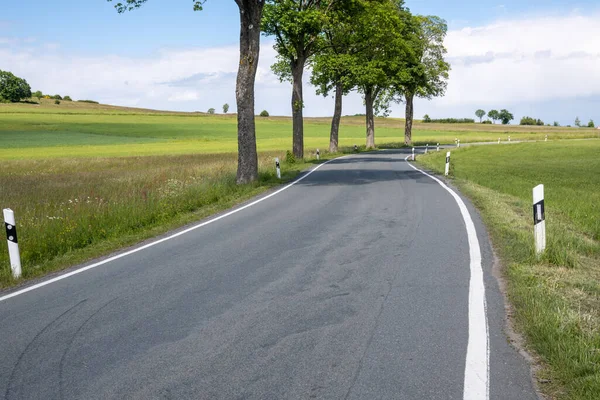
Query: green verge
x=69 y=211
x=555 y=298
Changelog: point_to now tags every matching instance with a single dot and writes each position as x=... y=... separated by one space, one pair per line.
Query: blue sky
x=166 y=56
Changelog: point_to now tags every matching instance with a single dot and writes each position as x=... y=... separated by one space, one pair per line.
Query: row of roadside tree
x=377 y=47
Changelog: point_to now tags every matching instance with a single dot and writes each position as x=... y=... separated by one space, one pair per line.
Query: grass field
x=88 y=130
x=556 y=298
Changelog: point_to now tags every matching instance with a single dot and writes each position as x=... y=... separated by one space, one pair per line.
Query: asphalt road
x=351 y=284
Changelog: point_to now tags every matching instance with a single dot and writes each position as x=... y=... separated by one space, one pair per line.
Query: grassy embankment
x=556 y=298
x=87 y=179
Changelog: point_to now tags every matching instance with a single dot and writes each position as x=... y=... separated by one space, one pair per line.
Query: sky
x=539 y=58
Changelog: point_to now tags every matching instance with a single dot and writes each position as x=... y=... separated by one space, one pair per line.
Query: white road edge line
x=127 y=253
x=477 y=366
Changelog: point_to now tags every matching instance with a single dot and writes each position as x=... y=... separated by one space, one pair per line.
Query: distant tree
x=494 y=115
x=426 y=118
x=57 y=97
x=591 y=124
x=67 y=98
x=556 y=123
x=531 y=121
x=211 y=110
x=264 y=113
x=577 y=121
x=225 y=108
x=505 y=117
x=38 y=95
x=480 y=114
x=13 y=88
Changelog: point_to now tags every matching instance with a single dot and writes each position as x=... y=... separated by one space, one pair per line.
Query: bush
x=57 y=101
x=67 y=98
x=531 y=121
x=88 y=101
x=449 y=120
x=290 y=158
x=211 y=110
x=13 y=88
x=264 y=113
x=487 y=121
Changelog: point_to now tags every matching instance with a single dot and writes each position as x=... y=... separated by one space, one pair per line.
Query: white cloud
x=517 y=63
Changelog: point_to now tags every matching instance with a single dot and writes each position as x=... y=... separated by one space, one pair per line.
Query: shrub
x=290 y=158
x=449 y=120
x=13 y=88
x=88 y=101
x=211 y=110
x=487 y=121
x=57 y=101
x=67 y=98
x=531 y=121
x=264 y=113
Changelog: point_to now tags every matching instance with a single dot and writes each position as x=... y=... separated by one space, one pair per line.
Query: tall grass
x=64 y=206
x=556 y=297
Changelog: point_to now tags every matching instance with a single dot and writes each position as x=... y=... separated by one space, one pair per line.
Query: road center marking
x=477 y=366
x=193 y=228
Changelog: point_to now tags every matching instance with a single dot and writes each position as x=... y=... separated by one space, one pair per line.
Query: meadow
x=556 y=297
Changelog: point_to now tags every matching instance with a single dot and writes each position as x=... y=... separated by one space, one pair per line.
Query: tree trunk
x=250 y=17
x=409 y=119
x=297 y=106
x=369 y=99
x=335 y=121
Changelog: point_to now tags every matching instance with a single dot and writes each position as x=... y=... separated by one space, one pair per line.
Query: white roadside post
x=458 y=143
x=498 y=140
x=318 y=154
x=355 y=148
x=546 y=139
x=447 y=163
x=426 y=148
x=278 y=168
x=413 y=154
x=509 y=138
x=13 y=244
x=539 y=219
x=438 y=147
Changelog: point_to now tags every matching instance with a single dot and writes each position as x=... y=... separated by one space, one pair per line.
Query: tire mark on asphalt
x=30 y=344
x=70 y=344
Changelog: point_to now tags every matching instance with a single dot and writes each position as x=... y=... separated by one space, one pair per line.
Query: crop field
x=556 y=298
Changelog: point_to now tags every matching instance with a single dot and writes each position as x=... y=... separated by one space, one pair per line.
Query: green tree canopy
x=494 y=115
x=505 y=116
x=480 y=114
x=13 y=88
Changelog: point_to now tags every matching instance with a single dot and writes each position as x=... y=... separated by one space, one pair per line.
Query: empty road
x=353 y=283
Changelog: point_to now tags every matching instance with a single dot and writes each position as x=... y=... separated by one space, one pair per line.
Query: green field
x=556 y=298
x=88 y=130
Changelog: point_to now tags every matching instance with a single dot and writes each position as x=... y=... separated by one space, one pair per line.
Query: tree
x=38 y=95
x=330 y=68
x=264 y=113
x=577 y=121
x=426 y=118
x=67 y=98
x=428 y=77
x=251 y=12
x=297 y=26
x=480 y=114
x=13 y=88
x=556 y=123
x=211 y=110
x=494 y=115
x=386 y=58
x=505 y=117
x=225 y=108
x=57 y=97
x=591 y=124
